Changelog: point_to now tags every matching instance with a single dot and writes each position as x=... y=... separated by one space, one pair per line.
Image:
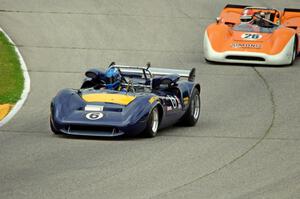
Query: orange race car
x=255 y=35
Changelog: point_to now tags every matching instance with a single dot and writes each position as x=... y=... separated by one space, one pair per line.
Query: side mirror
x=95 y=74
x=218 y=20
x=95 y=79
x=91 y=74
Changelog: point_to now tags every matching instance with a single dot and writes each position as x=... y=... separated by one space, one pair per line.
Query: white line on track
x=26 y=89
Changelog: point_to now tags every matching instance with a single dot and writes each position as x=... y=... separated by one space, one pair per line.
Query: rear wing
x=291 y=18
x=154 y=71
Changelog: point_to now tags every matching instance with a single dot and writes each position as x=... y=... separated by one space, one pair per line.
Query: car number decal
x=173 y=101
x=94 y=115
x=251 y=36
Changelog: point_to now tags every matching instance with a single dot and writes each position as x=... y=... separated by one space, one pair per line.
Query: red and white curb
x=26 y=89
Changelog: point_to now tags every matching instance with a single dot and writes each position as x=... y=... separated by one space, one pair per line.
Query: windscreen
x=253 y=28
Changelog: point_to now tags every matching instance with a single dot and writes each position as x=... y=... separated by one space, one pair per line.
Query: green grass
x=11 y=75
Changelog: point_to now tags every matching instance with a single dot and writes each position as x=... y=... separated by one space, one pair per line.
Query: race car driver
x=114 y=80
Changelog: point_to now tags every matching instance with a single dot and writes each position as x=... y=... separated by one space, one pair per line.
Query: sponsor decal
x=186 y=100
x=251 y=36
x=153 y=99
x=238 y=45
x=91 y=107
x=94 y=115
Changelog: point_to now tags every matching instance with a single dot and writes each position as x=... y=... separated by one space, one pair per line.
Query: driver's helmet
x=113 y=78
x=247 y=16
x=262 y=15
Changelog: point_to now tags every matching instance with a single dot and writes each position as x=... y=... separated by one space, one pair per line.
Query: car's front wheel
x=152 y=124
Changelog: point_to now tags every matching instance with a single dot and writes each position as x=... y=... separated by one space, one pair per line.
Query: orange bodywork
x=222 y=37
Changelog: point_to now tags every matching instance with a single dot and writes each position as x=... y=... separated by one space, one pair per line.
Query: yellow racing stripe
x=109 y=98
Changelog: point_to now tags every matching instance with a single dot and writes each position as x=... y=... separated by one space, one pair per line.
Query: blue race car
x=127 y=100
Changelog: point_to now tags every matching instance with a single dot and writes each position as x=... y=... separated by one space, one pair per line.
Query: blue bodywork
x=69 y=116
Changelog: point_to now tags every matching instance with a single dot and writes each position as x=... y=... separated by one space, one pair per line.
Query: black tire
x=192 y=114
x=294 y=52
x=53 y=129
x=152 y=124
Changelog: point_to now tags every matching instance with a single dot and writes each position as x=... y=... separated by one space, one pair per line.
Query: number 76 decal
x=251 y=36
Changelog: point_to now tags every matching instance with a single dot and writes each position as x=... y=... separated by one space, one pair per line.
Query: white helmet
x=247 y=16
x=262 y=14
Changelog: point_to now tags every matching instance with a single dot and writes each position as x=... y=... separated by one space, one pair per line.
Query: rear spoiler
x=291 y=18
x=153 y=71
x=190 y=74
x=236 y=6
x=291 y=10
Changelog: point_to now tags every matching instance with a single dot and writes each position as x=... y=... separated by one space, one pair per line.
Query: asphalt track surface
x=246 y=144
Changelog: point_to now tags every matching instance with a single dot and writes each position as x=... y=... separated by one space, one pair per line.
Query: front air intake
x=245 y=58
x=91 y=128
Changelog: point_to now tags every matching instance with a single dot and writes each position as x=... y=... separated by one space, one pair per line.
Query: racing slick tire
x=53 y=129
x=191 y=116
x=152 y=124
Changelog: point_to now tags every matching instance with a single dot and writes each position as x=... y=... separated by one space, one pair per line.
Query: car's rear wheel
x=193 y=113
x=152 y=124
x=53 y=129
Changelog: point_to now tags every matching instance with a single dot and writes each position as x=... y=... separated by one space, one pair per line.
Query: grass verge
x=11 y=75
